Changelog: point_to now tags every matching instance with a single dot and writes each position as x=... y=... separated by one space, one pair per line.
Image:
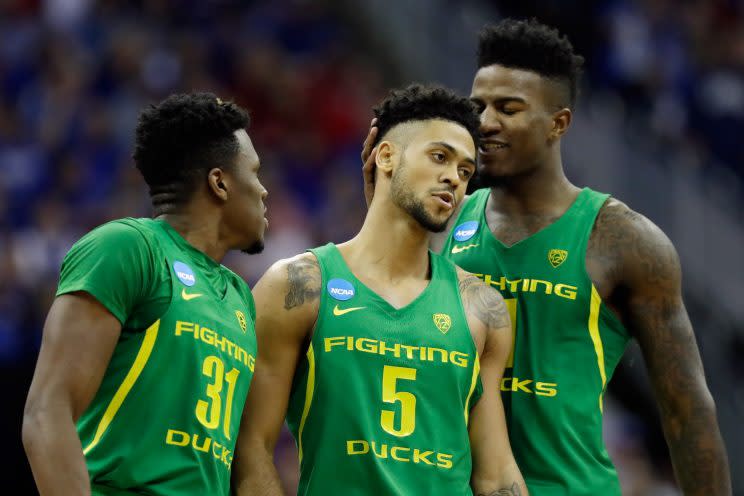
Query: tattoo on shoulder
x=484 y=302
x=303 y=276
x=507 y=491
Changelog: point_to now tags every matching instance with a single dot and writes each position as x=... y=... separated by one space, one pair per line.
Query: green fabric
x=368 y=367
x=165 y=418
x=552 y=394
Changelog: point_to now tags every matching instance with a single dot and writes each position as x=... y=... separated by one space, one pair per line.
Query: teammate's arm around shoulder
x=495 y=471
x=287 y=300
x=655 y=315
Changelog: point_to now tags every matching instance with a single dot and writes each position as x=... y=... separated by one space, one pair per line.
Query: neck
x=390 y=241
x=199 y=230
x=543 y=188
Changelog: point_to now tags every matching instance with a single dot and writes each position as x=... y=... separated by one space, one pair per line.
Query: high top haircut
x=419 y=102
x=535 y=47
x=180 y=139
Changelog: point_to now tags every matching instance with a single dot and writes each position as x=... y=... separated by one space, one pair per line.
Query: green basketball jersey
x=380 y=403
x=165 y=418
x=567 y=344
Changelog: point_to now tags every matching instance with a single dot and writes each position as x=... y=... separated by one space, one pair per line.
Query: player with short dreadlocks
x=385 y=357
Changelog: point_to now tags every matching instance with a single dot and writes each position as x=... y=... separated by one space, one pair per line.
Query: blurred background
x=660 y=124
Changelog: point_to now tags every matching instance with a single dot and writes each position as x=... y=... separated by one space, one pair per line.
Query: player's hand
x=369 y=155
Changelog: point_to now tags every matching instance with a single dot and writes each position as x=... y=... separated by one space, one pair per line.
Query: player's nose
x=489 y=121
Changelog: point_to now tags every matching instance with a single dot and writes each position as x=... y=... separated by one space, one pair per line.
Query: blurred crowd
x=75 y=73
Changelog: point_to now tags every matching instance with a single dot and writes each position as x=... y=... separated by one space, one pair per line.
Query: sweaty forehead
x=499 y=82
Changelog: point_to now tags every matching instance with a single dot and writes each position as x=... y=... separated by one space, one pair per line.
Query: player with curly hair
x=149 y=346
x=384 y=356
x=582 y=275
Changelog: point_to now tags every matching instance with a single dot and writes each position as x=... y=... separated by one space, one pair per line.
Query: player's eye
x=478 y=105
x=438 y=157
x=465 y=173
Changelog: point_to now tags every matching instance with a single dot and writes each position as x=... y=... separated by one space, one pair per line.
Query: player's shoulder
x=481 y=300
x=630 y=238
x=297 y=278
x=127 y=234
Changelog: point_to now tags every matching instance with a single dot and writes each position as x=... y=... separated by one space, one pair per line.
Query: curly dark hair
x=531 y=45
x=180 y=139
x=419 y=102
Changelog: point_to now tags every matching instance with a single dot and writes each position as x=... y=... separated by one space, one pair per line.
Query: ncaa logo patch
x=340 y=289
x=466 y=230
x=184 y=274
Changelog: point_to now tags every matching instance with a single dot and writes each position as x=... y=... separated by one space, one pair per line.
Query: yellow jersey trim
x=597 y=339
x=309 y=390
x=121 y=394
x=473 y=382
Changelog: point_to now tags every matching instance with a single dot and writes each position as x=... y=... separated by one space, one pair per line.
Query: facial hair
x=404 y=198
x=254 y=249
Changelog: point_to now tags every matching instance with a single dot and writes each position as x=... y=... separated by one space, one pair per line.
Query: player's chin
x=254 y=248
x=491 y=167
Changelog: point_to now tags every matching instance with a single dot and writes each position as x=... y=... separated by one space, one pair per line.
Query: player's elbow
x=33 y=424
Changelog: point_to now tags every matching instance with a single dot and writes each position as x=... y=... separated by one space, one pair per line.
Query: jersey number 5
x=208 y=413
x=390 y=394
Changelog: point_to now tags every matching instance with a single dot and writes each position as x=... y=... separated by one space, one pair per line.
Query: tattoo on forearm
x=303 y=276
x=510 y=491
x=484 y=302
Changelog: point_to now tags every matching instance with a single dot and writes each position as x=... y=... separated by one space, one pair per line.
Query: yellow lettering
x=513 y=285
x=459 y=358
x=506 y=384
x=205 y=445
x=370 y=348
x=215 y=446
x=420 y=456
x=383 y=450
x=409 y=350
x=220 y=342
x=546 y=389
x=171 y=438
x=442 y=354
x=535 y=282
x=334 y=341
x=521 y=385
x=251 y=363
x=566 y=291
x=207 y=335
x=395 y=450
x=444 y=460
x=357 y=447
x=182 y=327
x=395 y=349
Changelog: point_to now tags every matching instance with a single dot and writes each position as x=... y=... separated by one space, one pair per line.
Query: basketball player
x=149 y=347
x=376 y=348
x=581 y=274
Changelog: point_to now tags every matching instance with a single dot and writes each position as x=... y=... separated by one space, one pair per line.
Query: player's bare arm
x=287 y=299
x=78 y=341
x=495 y=471
x=643 y=283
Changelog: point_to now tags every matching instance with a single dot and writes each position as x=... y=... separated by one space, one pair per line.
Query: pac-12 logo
x=184 y=273
x=340 y=289
x=466 y=230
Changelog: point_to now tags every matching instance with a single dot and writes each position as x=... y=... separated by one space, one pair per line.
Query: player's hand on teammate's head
x=369 y=154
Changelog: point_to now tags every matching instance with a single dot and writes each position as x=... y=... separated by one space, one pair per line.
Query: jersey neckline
x=575 y=205
x=387 y=306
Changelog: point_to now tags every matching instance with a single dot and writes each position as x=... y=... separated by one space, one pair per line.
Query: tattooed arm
x=647 y=293
x=495 y=472
x=287 y=299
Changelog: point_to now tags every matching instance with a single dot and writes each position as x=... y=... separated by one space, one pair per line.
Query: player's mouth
x=446 y=198
x=488 y=147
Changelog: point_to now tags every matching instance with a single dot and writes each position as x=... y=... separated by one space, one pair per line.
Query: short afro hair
x=180 y=139
x=420 y=102
x=532 y=46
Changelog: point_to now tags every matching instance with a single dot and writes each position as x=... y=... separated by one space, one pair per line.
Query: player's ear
x=218 y=182
x=386 y=156
x=561 y=123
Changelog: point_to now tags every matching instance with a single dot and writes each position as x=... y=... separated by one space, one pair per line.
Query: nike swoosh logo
x=186 y=296
x=341 y=311
x=458 y=249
